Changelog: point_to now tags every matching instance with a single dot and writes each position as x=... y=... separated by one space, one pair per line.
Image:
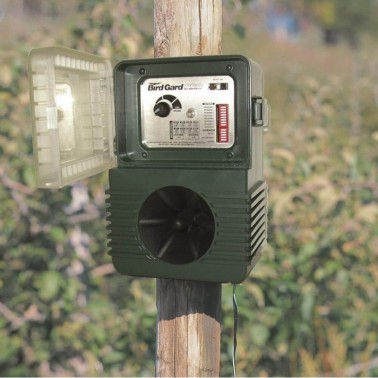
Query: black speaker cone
x=176 y=225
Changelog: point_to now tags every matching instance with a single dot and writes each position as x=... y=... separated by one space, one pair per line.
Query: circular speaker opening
x=176 y=225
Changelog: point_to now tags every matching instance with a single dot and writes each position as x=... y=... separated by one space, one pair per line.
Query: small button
x=191 y=113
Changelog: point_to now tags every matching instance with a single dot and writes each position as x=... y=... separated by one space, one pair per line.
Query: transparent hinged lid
x=72 y=105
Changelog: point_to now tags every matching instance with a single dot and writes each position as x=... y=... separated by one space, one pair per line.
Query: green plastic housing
x=229 y=180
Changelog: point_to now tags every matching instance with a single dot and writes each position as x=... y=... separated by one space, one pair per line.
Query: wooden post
x=188 y=329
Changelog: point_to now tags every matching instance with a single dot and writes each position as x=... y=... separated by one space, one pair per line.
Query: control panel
x=188 y=112
x=202 y=112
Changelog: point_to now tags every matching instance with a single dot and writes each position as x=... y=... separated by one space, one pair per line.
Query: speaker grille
x=176 y=225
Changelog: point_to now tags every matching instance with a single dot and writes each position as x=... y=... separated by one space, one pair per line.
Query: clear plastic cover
x=72 y=105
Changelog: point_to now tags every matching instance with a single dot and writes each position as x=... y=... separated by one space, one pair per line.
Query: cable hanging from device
x=235 y=307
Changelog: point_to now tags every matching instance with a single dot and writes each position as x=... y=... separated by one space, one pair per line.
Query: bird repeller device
x=187 y=197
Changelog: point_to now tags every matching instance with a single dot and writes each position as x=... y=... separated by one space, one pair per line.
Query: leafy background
x=309 y=308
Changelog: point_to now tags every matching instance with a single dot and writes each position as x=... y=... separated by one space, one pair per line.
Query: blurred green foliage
x=310 y=306
x=347 y=19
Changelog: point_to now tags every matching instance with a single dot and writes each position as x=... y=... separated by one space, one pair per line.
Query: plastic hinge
x=260 y=112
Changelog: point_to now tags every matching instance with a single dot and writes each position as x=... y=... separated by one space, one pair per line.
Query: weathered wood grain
x=188 y=332
x=188 y=329
x=187 y=27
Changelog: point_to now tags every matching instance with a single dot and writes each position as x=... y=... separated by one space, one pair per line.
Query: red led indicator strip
x=222 y=123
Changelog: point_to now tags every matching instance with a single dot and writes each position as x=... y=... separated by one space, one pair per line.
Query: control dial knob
x=162 y=109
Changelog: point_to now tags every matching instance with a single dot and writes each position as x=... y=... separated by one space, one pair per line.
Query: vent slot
x=258 y=217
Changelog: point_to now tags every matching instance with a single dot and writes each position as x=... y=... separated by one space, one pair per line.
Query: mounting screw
x=142 y=71
x=230 y=155
x=229 y=67
x=144 y=154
